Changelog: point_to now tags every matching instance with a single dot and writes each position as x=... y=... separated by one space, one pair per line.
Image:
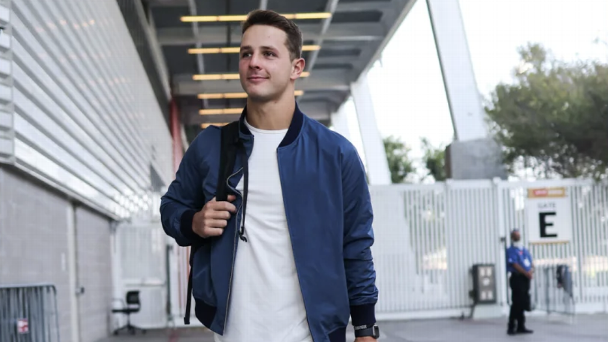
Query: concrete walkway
x=584 y=328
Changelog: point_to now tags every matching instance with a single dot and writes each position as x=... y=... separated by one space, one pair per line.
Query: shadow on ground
x=584 y=328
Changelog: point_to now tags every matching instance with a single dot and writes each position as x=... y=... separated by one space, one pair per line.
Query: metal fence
x=28 y=313
x=552 y=290
x=429 y=236
x=586 y=254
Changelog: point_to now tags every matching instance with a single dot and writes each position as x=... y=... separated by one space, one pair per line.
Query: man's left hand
x=365 y=339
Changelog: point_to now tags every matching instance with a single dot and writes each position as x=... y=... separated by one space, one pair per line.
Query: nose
x=254 y=61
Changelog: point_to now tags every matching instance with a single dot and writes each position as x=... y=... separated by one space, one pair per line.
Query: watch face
x=376 y=332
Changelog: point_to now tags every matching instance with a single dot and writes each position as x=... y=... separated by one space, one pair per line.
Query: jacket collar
x=292 y=133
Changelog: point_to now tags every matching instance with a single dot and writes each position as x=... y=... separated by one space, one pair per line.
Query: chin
x=257 y=96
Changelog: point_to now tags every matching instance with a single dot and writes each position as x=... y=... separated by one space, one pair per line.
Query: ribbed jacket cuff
x=185 y=226
x=363 y=314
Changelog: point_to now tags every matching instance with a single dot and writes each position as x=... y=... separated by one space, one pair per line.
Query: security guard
x=519 y=264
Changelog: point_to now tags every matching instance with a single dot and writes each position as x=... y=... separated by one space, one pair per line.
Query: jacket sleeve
x=358 y=238
x=183 y=199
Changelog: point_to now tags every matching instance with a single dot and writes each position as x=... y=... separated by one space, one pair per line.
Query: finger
x=231 y=198
x=220 y=215
x=223 y=206
x=216 y=223
x=213 y=232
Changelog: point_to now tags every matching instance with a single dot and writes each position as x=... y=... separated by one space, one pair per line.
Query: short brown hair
x=274 y=19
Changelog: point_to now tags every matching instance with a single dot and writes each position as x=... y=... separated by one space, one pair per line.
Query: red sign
x=22 y=326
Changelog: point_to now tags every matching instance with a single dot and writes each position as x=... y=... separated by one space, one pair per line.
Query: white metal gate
x=429 y=236
x=427 y=239
x=586 y=255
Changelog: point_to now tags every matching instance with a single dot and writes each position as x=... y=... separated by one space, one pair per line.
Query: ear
x=297 y=66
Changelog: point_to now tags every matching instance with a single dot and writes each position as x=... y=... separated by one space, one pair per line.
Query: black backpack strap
x=228 y=148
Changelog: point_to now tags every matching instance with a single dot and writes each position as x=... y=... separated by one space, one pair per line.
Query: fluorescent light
x=216 y=18
x=234 y=95
x=220 y=111
x=203 y=51
x=216 y=77
x=302 y=16
x=212 y=18
x=311 y=47
x=205 y=125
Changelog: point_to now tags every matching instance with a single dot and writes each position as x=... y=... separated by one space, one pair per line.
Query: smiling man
x=302 y=264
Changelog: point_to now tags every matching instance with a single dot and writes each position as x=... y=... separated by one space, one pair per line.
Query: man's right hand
x=213 y=218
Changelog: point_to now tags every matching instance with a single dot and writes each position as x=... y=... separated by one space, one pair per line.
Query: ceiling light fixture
x=220 y=18
x=216 y=77
x=220 y=111
x=205 y=125
x=217 y=96
x=204 y=51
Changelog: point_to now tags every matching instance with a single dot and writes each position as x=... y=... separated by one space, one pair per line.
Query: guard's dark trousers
x=520 y=290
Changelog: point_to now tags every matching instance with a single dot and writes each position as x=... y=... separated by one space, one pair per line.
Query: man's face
x=515 y=236
x=265 y=66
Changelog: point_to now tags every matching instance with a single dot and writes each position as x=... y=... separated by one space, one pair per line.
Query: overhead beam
x=393 y=20
x=364 y=6
x=342 y=7
x=331 y=79
x=168 y=3
x=216 y=35
x=331 y=8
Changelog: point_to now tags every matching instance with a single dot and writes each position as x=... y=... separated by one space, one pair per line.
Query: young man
x=287 y=258
x=519 y=264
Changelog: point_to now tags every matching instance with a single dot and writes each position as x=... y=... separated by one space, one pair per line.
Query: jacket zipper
x=236 y=233
x=292 y=250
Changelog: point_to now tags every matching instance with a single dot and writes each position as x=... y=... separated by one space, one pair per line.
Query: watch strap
x=372 y=331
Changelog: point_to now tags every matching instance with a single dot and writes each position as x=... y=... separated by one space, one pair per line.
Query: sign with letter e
x=549 y=215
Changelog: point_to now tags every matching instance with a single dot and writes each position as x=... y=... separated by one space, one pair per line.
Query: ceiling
x=350 y=41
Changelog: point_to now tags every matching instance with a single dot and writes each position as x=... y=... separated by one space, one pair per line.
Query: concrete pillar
x=377 y=165
x=474 y=155
x=339 y=121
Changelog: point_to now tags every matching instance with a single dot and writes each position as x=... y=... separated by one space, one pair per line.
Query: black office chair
x=132 y=305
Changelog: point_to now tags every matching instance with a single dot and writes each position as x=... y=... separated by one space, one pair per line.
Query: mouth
x=256 y=78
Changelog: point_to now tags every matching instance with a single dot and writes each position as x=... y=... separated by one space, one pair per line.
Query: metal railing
x=28 y=313
x=552 y=289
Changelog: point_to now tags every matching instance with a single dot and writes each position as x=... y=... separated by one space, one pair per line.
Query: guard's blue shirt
x=520 y=256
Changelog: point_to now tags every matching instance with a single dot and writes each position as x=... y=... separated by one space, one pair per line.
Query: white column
x=339 y=121
x=458 y=76
x=375 y=155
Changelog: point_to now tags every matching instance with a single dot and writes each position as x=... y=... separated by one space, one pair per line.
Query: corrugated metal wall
x=86 y=119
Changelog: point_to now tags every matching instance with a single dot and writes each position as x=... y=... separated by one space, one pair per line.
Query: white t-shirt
x=266 y=301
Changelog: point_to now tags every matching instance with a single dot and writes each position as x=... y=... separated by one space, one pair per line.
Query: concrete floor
x=583 y=328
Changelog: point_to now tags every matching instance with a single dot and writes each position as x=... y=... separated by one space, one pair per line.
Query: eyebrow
x=247 y=47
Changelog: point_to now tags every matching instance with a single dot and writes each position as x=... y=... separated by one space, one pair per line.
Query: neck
x=271 y=115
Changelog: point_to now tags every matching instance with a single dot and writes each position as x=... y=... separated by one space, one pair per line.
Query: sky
x=407 y=86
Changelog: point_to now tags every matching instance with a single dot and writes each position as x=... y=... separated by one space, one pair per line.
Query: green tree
x=399 y=163
x=554 y=118
x=434 y=160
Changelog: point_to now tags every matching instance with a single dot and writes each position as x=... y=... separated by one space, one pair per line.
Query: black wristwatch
x=367 y=330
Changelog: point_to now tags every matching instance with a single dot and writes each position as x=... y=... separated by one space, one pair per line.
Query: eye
x=269 y=53
x=246 y=54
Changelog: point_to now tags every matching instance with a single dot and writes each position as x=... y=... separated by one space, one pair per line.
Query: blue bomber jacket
x=329 y=215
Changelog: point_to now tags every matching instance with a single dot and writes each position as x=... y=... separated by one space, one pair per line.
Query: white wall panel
x=85 y=116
